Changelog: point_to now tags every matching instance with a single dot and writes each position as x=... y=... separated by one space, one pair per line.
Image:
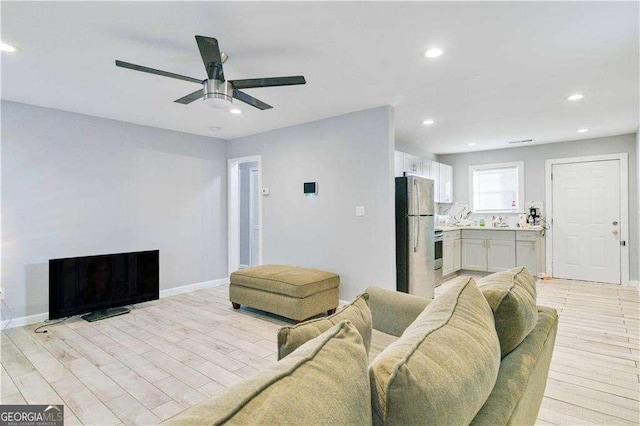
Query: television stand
x=105 y=313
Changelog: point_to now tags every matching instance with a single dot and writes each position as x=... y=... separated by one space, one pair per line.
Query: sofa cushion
x=323 y=381
x=443 y=367
x=358 y=312
x=512 y=297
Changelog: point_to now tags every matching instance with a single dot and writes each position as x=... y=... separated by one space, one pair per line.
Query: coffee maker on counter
x=534 y=216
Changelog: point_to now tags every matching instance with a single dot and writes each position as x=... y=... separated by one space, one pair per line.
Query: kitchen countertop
x=488 y=228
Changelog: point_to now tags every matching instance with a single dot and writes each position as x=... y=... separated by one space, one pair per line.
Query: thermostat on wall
x=310 y=188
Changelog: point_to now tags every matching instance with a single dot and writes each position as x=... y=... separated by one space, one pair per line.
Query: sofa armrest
x=393 y=311
x=522 y=378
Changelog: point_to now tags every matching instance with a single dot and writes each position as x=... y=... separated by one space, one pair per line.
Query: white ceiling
x=505 y=74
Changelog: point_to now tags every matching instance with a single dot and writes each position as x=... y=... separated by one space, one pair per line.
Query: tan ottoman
x=288 y=291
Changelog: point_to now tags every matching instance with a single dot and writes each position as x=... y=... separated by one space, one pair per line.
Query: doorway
x=245 y=218
x=587 y=204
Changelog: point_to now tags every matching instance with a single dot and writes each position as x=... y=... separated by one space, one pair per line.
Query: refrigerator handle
x=416 y=233
x=416 y=189
x=417 y=221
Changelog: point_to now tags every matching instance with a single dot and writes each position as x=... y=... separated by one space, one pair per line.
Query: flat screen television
x=79 y=285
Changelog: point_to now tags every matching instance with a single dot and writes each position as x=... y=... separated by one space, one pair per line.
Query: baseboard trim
x=632 y=283
x=20 y=321
x=33 y=319
x=191 y=287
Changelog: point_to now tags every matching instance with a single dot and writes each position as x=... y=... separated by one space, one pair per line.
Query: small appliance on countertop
x=534 y=216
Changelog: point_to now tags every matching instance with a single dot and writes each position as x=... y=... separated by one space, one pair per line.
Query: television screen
x=86 y=284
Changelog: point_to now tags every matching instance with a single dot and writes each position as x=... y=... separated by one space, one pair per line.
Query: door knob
x=614 y=232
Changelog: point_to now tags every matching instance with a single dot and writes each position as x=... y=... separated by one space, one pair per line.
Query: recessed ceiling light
x=575 y=97
x=235 y=111
x=471 y=144
x=433 y=53
x=428 y=122
x=214 y=128
x=583 y=130
x=4 y=47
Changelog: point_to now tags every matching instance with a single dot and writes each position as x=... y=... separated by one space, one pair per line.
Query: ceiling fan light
x=217 y=94
x=214 y=100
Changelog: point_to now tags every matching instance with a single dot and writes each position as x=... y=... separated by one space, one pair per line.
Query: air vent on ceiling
x=522 y=141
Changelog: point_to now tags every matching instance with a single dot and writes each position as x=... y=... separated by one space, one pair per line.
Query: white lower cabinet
x=474 y=254
x=490 y=251
x=457 y=265
x=526 y=255
x=530 y=251
x=501 y=255
x=450 y=252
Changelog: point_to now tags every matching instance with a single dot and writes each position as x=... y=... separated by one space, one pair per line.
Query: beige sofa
x=477 y=354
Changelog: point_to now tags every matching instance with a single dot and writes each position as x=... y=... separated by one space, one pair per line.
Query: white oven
x=437 y=264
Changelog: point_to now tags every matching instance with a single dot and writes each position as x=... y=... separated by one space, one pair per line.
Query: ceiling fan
x=215 y=90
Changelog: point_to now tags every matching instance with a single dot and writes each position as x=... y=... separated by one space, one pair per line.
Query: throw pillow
x=512 y=297
x=323 y=382
x=443 y=367
x=358 y=312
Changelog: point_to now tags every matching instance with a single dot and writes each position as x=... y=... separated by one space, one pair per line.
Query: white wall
x=637 y=189
x=534 y=158
x=414 y=150
x=351 y=158
x=75 y=185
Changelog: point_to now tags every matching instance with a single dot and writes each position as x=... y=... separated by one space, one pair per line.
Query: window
x=497 y=188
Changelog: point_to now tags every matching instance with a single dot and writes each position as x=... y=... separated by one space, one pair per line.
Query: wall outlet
x=359 y=210
x=266 y=191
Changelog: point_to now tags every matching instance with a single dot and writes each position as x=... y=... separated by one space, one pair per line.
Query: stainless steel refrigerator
x=414 y=236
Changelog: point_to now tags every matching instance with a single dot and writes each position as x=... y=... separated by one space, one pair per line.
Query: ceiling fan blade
x=157 y=72
x=198 y=94
x=268 y=82
x=241 y=96
x=211 y=57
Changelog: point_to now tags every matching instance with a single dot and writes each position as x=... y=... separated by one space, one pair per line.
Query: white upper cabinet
x=434 y=175
x=408 y=163
x=440 y=174
x=412 y=164
x=446 y=183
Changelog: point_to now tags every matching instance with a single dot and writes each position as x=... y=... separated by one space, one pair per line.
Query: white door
x=586 y=221
x=254 y=219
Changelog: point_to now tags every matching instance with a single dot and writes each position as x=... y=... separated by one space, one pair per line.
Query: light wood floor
x=167 y=355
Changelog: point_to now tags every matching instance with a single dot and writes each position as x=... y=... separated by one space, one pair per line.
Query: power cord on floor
x=47 y=324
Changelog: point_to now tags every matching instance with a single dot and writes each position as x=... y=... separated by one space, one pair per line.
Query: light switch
x=266 y=191
x=359 y=210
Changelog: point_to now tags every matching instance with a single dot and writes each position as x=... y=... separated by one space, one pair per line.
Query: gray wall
x=534 y=158
x=351 y=158
x=75 y=185
x=245 y=210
